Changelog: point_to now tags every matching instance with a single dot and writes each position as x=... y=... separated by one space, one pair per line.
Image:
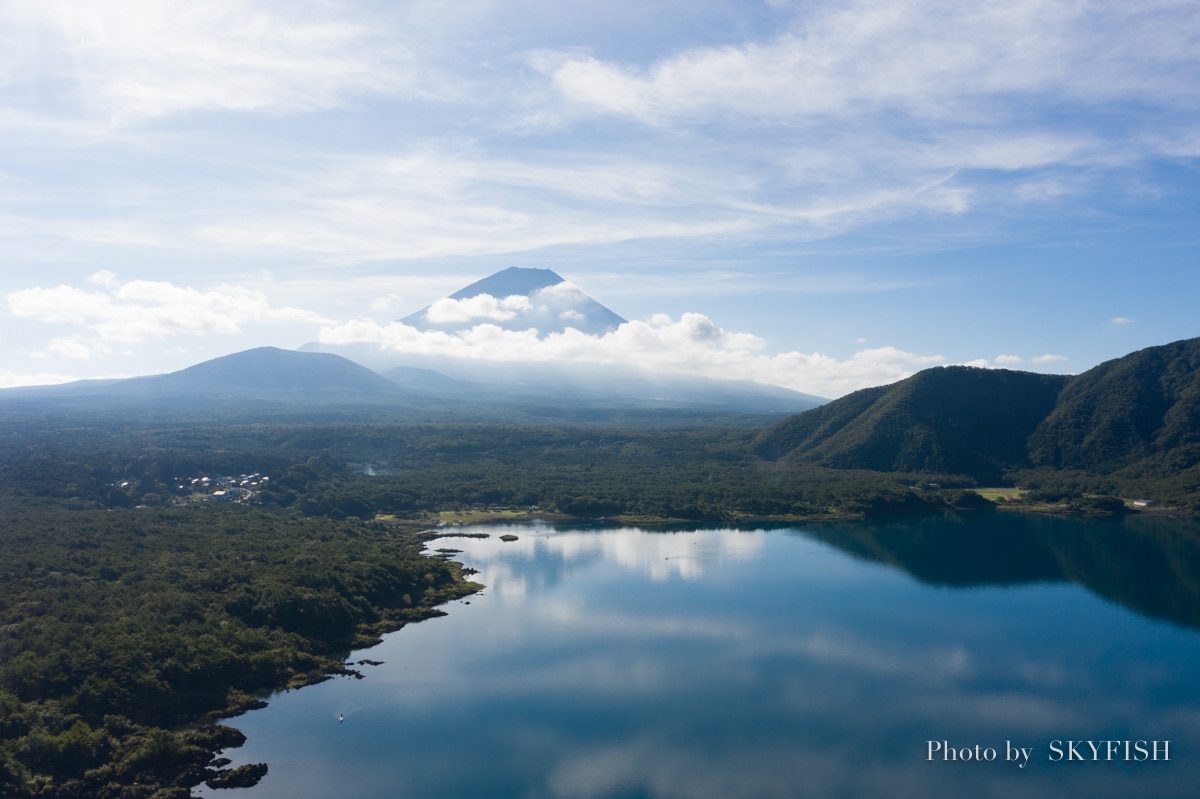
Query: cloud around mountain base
x=689 y=345
x=131 y=315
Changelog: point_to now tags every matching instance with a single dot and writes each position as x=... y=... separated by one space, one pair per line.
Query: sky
x=819 y=195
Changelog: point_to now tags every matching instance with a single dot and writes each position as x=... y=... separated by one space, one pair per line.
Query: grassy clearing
x=999 y=494
x=464 y=516
x=474 y=516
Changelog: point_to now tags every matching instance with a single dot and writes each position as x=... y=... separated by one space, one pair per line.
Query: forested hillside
x=1143 y=405
x=1129 y=427
x=957 y=420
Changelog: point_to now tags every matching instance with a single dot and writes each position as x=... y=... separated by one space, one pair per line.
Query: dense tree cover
x=119 y=628
x=1129 y=428
x=359 y=470
x=956 y=419
x=1144 y=405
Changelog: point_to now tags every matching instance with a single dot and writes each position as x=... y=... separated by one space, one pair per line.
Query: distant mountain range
x=296 y=379
x=1134 y=419
x=264 y=373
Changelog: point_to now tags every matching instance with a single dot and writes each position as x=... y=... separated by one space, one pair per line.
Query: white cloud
x=1121 y=320
x=564 y=292
x=14 y=379
x=441 y=200
x=76 y=348
x=1009 y=361
x=690 y=345
x=959 y=73
x=878 y=108
x=137 y=59
x=447 y=311
x=931 y=60
x=384 y=304
x=978 y=363
x=103 y=278
x=143 y=310
x=861 y=112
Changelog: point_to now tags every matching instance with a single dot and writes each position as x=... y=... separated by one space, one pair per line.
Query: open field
x=999 y=494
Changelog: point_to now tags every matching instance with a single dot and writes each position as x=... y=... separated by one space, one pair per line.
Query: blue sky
x=823 y=195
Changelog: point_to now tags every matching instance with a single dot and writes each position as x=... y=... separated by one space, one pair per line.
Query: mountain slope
x=261 y=373
x=513 y=280
x=271 y=369
x=1124 y=410
x=955 y=420
x=1130 y=425
x=518 y=299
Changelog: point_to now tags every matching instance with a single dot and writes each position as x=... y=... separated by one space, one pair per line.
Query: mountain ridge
x=951 y=419
x=1130 y=418
x=1124 y=410
x=297 y=378
x=260 y=373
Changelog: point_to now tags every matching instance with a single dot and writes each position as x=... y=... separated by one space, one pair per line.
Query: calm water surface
x=818 y=661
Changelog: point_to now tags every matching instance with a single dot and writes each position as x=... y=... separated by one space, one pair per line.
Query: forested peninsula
x=126 y=633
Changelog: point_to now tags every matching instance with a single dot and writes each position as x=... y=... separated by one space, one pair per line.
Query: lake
x=819 y=660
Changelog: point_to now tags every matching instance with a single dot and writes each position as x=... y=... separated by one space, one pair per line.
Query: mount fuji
x=518 y=299
x=542 y=302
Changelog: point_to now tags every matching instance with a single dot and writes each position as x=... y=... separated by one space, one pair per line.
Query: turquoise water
x=817 y=661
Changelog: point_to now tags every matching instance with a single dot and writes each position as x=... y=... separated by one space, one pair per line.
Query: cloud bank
x=142 y=310
x=479 y=307
x=111 y=313
x=688 y=345
x=930 y=59
x=138 y=60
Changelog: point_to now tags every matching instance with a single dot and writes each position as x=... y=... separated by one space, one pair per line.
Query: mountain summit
x=518 y=299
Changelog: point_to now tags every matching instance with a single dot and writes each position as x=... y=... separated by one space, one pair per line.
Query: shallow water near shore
x=812 y=661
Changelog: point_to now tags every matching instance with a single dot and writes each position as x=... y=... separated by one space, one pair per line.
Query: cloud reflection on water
x=780 y=668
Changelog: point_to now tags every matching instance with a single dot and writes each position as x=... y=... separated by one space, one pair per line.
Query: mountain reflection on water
x=1149 y=564
x=815 y=661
